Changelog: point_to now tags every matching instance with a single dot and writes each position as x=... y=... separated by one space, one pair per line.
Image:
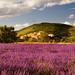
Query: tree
x=32 y=40
x=61 y=32
x=7 y=34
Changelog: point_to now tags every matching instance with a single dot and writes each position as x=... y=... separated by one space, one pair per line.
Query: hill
x=47 y=32
x=47 y=27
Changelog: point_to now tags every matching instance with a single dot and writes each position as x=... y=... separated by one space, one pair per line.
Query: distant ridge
x=46 y=27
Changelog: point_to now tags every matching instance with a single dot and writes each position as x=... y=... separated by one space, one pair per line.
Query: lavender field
x=37 y=59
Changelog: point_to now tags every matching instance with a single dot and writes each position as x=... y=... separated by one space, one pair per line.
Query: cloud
x=66 y=22
x=66 y=1
x=20 y=26
x=9 y=8
x=72 y=16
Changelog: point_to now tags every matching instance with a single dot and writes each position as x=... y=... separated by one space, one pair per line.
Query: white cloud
x=66 y=22
x=47 y=5
x=14 y=7
x=72 y=16
x=20 y=26
x=66 y=1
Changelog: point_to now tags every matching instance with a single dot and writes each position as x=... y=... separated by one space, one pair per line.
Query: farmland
x=37 y=59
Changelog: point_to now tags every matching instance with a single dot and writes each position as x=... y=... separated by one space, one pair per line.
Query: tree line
x=7 y=34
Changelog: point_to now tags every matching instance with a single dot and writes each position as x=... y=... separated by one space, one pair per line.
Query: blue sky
x=21 y=13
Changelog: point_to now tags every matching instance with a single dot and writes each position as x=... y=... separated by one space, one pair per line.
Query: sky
x=22 y=13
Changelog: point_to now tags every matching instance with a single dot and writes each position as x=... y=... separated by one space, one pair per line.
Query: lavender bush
x=37 y=59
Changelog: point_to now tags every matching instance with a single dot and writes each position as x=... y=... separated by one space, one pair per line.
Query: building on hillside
x=34 y=35
x=23 y=36
x=51 y=35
